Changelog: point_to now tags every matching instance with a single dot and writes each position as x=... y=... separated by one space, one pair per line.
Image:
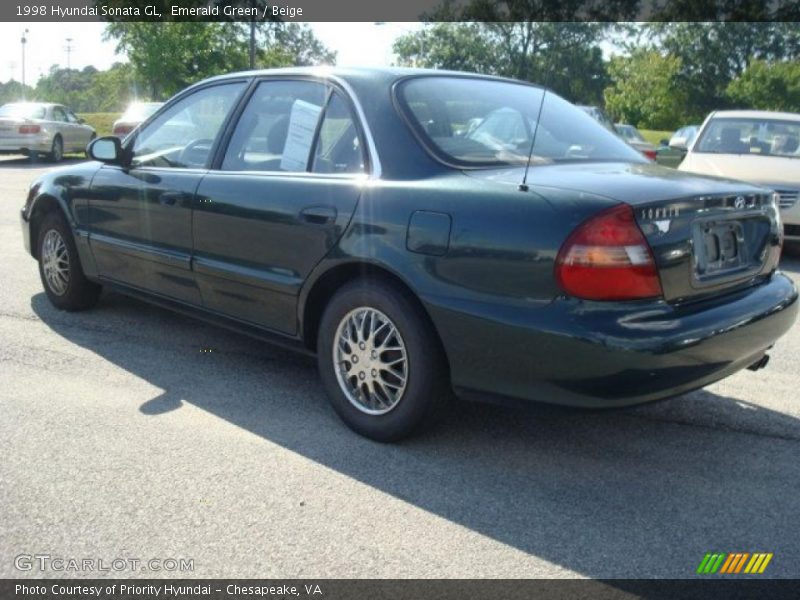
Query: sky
x=364 y=44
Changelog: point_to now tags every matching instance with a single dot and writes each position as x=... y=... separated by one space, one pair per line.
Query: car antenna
x=523 y=187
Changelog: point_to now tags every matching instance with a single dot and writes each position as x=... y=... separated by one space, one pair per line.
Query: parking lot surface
x=131 y=432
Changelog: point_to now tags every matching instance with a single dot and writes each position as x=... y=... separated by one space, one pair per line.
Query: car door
x=140 y=214
x=279 y=199
x=59 y=115
x=81 y=134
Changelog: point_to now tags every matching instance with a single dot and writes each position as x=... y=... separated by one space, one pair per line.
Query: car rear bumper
x=24 y=144
x=591 y=354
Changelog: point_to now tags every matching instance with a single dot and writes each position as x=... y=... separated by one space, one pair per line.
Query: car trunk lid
x=708 y=235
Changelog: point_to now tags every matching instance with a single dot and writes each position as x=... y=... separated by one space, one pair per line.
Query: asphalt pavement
x=131 y=432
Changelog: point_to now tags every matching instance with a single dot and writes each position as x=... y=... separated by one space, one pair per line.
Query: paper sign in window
x=302 y=124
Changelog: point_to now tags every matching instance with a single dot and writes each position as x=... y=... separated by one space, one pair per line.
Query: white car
x=35 y=128
x=756 y=146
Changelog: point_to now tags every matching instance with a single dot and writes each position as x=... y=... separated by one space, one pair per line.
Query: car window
x=184 y=134
x=338 y=147
x=59 y=114
x=71 y=117
x=277 y=128
x=480 y=122
x=22 y=111
x=764 y=136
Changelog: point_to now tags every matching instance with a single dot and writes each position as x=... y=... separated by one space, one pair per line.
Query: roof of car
x=363 y=73
x=757 y=114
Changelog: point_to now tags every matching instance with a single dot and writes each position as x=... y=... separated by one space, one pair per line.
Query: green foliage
x=542 y=52
x=88 y=90
x=713 y=54
x=768 y=86
x=101 y=121
x=168 y=56
x=12 y=91
x=454 y=46
x=645 y=90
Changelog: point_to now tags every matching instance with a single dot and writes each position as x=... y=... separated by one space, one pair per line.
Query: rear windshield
x=768 y=137
x=22 y=111
x=474 y=122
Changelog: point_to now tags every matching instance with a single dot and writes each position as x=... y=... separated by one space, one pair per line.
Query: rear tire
x=380 y=391
x=57 y=149
x=60 y=269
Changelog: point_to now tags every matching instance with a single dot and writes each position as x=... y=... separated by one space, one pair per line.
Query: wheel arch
x=44 y=205
x=319 y=293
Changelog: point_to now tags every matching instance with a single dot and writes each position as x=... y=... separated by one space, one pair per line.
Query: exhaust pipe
x=760 y=363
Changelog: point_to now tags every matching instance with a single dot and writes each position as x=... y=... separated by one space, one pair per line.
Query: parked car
x=670 y=152
x=136 y=114
x=347 y=213
x=757 y=146
x=34 y=128
x=630 y=134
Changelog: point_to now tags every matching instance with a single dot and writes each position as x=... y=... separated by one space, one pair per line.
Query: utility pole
x=69 y=49
x=24 y=41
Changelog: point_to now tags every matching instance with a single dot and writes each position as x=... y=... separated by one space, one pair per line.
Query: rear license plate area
x=719 y=248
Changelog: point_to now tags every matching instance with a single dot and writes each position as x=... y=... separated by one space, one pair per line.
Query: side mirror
x=678 y=145
x=106 y=149
x=664 y=142
x=81 y=120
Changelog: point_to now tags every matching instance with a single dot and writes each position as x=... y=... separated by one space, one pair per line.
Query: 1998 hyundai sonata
x=422 y=232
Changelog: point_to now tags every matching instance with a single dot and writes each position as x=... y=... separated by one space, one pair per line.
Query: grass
x=102 y=122
x=654 y=136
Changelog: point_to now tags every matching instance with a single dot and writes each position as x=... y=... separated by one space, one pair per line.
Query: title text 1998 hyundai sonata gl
x=384 y=219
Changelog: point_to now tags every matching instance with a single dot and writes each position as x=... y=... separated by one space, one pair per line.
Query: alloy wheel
x=55 y=262
x=370 y=360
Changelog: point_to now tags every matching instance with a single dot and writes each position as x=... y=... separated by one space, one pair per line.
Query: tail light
x=122 y=129
x=608 y=258
x=651 y=154
x=25 y=129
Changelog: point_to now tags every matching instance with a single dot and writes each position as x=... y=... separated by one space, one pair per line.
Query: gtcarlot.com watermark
x=46 y=563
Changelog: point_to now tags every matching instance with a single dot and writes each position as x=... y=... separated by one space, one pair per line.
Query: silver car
x=35 y=128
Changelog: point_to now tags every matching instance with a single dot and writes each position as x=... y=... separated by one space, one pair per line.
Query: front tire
x=380 y=362
x=60 y=268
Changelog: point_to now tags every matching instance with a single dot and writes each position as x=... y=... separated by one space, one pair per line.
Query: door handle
x=318 y=215
x=170 y=198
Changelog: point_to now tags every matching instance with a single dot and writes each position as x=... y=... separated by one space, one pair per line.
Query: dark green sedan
x=427 y=235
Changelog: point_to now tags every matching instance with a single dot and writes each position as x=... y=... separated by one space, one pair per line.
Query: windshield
x=767 y=137
x=474 y=122
x=629 y=132
x=22 y=111
x=140 y=111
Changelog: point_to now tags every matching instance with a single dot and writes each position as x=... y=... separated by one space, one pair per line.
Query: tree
x=644 y=90
x=563 y=56
x=455 y=46
x=168 y=56
x=767 y=86
x=713 y=54
x=295 y=43
x=12 y=91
